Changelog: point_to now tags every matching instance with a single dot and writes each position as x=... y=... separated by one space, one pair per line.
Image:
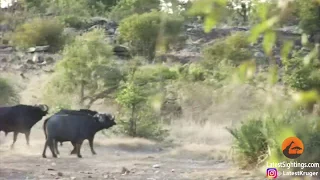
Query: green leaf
x=201 y=7
x=286 y=48
x=304 y=39
x=261 y=28
x=308 y=58
x=306 y=97
x=209 y=22
x=268 y=42
x=273 y=75
x=246 y=71
x=262 y=11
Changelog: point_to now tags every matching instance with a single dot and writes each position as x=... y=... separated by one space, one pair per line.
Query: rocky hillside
x=39 y=59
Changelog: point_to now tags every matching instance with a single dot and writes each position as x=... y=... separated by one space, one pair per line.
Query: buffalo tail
x=44 y=127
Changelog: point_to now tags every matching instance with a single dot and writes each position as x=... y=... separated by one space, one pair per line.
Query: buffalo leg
x=78 y=147
x=74 y=150
x=45 y=149
x=27 y=134
x=51 y=146
x=56 y=147
x=91 y=146
x=15 y=136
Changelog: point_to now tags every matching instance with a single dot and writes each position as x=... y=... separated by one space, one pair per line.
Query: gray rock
x=38 y=49
x=4 y=60
x=156 y=166
x=49 y=60
x=29 y=61
x=259 y=54
x=121 y=51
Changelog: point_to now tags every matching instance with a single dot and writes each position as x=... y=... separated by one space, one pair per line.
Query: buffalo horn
x=112 y=117
x=47 y=108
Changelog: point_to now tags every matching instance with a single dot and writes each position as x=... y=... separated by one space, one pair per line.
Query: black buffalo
x=75 y=128
x=20 y=119
x=74 y=112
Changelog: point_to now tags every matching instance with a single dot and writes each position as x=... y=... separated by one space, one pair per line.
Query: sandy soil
x=117 y=158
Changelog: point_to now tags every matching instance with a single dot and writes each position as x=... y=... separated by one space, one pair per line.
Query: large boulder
x=38 y=49
x=121 y=51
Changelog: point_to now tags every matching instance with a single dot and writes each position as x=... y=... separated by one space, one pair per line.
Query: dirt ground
x=117 y=158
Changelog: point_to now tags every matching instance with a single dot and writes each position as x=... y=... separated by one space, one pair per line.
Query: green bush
x=259 y=139
x=39 y=32
x=8 y=95
x=74 y=21
x=146 y=126
x=144 y=31
x=126 y=8
x=233 y=49
x=299 y=76
x=309 y=16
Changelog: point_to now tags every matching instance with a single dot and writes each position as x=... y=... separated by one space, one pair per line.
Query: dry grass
x=200 y=151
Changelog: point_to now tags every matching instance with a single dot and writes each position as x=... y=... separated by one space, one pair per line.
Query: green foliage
x=146 y=30
x=126 y=8
x=87 y=68
x=131 y=96
x=259 y=137
x=232 y=50
x=8 y=94
x=300 y=76
x=39 y=32
x=309 y=16
x=138 y=117
x=73 y=21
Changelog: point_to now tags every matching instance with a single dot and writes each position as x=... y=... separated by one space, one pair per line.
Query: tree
x=146 y=31
x=309 y=14
x=8 y=95
x=242 y=8
x=87 y=69
x=139 y=118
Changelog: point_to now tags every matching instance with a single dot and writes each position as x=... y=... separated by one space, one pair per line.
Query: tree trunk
x=81 y=97
x=132 y=122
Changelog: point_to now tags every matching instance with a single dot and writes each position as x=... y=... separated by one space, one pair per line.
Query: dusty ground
x=144 y=159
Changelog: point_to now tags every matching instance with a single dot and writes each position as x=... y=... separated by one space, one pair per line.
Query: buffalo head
x=107 y=120
x=43 y=107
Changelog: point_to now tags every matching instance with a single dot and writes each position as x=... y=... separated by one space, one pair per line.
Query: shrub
x=8 y=95
x=147 y=125
x=233 y=49
x=258 y=140
x=143 y=31
x=300 y=76
x=126 y=8
x=74 y=21
x=39 y=32
x=309 y=16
